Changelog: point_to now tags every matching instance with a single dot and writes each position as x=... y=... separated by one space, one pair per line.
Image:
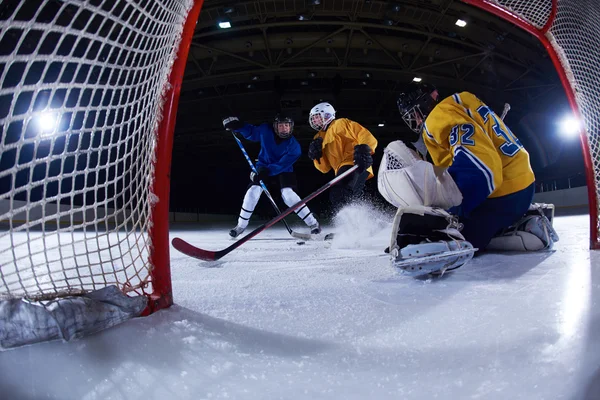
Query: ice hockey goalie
x=425 y=238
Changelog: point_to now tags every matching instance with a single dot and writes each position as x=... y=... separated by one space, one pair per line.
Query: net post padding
x=162 y=295
x=522 y=13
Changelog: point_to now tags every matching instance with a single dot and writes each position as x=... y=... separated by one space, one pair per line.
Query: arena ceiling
x=287 y=55
x=358 y=54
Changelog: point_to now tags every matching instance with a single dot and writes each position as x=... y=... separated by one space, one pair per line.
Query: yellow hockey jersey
x=481 y=153
x=338 y=144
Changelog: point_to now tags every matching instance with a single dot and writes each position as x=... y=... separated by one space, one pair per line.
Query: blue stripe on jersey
x=474 y=180
x=429 y=135
x=488 y=174
x=456 y=98
x=469 y=112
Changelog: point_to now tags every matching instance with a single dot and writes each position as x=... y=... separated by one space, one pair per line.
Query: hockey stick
x=505 y=111
x=211 y=255
x=297 y=235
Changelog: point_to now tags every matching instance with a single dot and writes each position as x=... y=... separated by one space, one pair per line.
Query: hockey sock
x=250 y=199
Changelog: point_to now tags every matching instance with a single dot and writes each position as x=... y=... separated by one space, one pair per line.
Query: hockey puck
x=300 y=243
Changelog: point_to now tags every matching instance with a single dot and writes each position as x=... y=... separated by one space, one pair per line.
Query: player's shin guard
x=427 y=240
x=250 y=199
x=290 y=198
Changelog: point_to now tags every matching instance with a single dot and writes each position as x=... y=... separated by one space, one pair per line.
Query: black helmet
x=415 y=105
x=279 y=119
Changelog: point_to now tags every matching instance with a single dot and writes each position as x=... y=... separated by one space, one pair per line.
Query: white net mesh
x=574 y=33
x=536 y=12
x=81 y=88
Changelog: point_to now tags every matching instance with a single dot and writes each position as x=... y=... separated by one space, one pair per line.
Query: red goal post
x=570 y=32
x=88 y=101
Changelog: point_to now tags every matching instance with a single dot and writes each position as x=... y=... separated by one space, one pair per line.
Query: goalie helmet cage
x=570 y=32
x=88 y=99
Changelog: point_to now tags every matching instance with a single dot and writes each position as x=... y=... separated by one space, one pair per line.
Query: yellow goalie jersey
x=482 y=155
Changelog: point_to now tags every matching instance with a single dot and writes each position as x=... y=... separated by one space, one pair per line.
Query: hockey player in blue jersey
x=279 y=150
x=479 y=183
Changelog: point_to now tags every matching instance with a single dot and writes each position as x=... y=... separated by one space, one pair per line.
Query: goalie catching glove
x=427 y=240
x=405 y=180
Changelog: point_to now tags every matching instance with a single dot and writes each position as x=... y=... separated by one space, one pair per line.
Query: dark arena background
x=119 y=187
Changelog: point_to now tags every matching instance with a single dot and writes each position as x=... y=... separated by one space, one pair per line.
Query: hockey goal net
x=87 y=93
x=570 y=31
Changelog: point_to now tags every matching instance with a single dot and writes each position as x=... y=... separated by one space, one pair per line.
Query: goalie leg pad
x=532 y=233
x=427 y=240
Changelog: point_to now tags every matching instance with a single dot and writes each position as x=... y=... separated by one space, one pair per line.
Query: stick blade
x=303 y=236
x=193 y=251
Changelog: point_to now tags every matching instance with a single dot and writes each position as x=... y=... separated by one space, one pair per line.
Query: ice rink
x=278 y=320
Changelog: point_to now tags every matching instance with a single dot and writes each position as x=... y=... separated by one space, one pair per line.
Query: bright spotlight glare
x=570 y=126
x=461 y=23
x=224 y=24
x=47 y=123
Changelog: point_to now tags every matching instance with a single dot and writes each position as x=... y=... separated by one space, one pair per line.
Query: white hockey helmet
x=320 y=116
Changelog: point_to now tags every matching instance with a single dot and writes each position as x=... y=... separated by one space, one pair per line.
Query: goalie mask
x=321 y=116
x=416 y=104
x=283 y=126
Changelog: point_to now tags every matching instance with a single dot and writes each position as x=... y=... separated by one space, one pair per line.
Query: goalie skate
x=427 y=240
x=432 y=258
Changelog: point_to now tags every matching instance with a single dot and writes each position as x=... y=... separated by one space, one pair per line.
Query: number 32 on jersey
x=464 y=133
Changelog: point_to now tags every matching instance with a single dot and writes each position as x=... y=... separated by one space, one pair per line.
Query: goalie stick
x=212 y=255
x=505 y=111
x=297 y=235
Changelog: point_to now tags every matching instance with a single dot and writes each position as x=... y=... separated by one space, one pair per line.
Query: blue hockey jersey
x=277 y=157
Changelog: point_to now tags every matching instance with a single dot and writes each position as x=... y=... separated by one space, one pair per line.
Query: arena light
x=47 y=123
x=224 y=24
x=570 y=126
x=381 y=125
x=417 y=79
x=461 y=23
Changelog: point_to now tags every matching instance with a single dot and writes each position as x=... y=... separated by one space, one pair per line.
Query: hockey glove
x=362 y=157
x=233 y=124
x=263 y=173
x=315 y=150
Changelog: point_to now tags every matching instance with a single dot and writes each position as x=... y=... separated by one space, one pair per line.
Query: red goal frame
x=540 y=34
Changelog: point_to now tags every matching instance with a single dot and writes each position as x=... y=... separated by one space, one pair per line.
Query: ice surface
x=275 y=320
